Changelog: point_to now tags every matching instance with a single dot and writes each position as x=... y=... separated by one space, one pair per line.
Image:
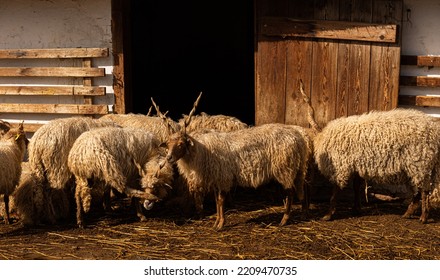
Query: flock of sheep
x=75 y=162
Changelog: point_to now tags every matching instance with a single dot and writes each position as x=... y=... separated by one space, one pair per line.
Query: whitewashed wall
x=55 y=24
x=421 y=36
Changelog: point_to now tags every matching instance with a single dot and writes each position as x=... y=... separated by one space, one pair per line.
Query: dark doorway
x=182 y=48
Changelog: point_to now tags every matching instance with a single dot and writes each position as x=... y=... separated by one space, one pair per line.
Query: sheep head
x=178 y=142
x=157 y=178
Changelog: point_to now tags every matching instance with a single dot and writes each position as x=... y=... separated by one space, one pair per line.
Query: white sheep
x=12 y=149
x=50 y=146
x=222 y=123
x=119 y=158
x=400 y=146
x=217 y=161
x=148 y=123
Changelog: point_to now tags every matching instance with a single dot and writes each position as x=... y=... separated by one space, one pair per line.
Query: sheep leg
x=6 y=211
x=413 y=206
x=80 y=183
x=425 y=207
x=220 y=202
x=332 y=208
x=198 y=203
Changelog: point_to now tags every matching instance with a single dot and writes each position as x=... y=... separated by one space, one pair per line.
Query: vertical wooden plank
x=385 y=59
x=270 y=82
x=342 y=89
x=324 y=66
x=121 y=80
x=270 y=68
x=87 y=62
x=359 y=64
x=299 y=57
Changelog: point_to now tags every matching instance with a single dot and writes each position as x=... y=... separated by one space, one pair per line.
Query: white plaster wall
x=55 y=24
x=421 y=36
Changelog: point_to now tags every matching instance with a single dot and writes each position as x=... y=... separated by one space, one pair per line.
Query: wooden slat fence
x=420 y=81
x=86 y=72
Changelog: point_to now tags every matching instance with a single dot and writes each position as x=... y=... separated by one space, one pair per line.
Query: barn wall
x=55 y=24
x=421 y=37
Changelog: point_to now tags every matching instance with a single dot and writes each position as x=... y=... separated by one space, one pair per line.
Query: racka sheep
x=117 y=157
x=400 y=146
x=216 y=161
x=12 y=149
x=148 y=123
x=216 y=122
x=48 y=151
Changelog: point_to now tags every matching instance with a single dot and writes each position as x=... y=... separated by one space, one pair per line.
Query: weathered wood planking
x=86 y=109
x=52 y=90
x=87 y=72
x=51 y=72
x=420 y=81
x=426 y=101
x=272 y=79
x=343 y=77
x=328 y=29
x=299 y=67
x=270 y=73
x=359 y=55
x=385 y=60
x=54 y=53
x=421 y=60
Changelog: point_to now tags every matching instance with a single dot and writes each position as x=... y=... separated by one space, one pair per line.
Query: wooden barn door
x=347 y=53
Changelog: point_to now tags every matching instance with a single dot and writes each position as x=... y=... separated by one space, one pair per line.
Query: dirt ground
x=251 y=232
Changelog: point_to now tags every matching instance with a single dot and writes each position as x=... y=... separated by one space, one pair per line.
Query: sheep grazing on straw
x=12 y=149
x=117 y=157
x=216 y=161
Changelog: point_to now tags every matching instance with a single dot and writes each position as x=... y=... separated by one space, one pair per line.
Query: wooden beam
x=54 y=53
x=429 y=101
x=52 y=90
x=419 y=81
x=421 y=60
x=51 y=72
x=341 y=30
x=54 y=109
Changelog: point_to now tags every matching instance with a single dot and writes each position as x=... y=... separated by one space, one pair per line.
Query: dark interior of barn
x=182 y=48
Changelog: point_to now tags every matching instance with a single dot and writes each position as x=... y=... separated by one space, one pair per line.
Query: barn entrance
x=182 y=48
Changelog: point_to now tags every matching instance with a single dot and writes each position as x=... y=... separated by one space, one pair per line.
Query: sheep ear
x=20 y=131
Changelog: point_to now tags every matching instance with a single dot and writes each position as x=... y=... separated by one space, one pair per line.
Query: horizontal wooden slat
x=52 y=90
x=54 y=53
x=421 y=60
x=430 y=101
x=419 y=81
x=51 y=72
x=54 y=109
x=288 y=27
